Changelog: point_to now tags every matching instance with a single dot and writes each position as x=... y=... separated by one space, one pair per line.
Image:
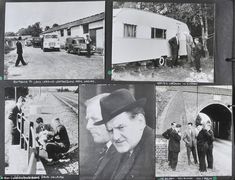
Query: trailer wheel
x=161 y=61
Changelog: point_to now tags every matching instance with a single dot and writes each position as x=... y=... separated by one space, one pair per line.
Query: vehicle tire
x=44 y=50
x=160 y=62
x=68 y=50
x=78 y=52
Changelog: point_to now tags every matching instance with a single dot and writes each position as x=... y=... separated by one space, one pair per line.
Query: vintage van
x=51 y=42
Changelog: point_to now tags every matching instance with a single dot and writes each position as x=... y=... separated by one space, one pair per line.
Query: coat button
x=132 y=176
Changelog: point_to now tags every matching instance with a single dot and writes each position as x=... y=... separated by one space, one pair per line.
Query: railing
x=28 y=142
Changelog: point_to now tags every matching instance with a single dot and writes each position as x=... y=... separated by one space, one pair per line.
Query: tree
x=55 y=25
x=46 y=28
x=33 y=30
x=10 y=34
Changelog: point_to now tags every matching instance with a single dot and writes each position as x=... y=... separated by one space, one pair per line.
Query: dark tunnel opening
x=221 y=117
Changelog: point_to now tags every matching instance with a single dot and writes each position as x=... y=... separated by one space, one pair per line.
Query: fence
x=28 y=142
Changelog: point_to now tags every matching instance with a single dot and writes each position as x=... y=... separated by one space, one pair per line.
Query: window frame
x=155 y=34
x=133 y=33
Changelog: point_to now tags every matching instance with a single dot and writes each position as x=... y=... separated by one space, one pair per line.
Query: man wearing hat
x=174 y=146
x=124 y=118
x=100 y=168
x=20 y=53
x=189 y=138
x=15 y=134
x=166 y=135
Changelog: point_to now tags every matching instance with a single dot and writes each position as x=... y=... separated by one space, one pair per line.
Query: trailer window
x=129 y=30
x=158 y=33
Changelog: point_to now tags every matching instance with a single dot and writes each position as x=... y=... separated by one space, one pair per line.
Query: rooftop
x=93 y=18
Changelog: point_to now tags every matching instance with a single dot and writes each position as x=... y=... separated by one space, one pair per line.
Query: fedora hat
x=117 y=102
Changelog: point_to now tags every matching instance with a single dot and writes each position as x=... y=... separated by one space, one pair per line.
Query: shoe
x=25 y=64
x=51 y=163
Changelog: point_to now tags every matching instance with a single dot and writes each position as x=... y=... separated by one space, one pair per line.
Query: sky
x=22 y=14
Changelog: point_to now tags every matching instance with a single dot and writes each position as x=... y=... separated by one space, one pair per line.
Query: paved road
x=54 y=65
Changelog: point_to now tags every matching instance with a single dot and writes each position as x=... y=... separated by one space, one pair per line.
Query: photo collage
x=117 y=90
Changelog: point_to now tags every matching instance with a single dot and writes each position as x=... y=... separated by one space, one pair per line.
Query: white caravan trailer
x=140 y=35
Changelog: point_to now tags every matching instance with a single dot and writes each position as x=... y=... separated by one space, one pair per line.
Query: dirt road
x=222 y=153
x=53 y=65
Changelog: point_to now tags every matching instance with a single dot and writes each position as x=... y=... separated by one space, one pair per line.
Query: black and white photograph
x=54 y=40
x=41 y=130
x=193 y=131
x=155 y=41
x=117 y=131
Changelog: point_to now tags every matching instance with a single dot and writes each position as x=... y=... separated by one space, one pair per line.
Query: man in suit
x=197 y=51
x=202 y=146
x=166 y=135
x=209 y=152
x=174 y=146
x=20 y=53
x=100 y=136
x=133 y=139
x=189 y=138
x=174 y=45
x=15 y=134
x=60 y=143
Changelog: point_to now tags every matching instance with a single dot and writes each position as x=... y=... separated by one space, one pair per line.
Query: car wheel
x=44 y=50
x=78 y=51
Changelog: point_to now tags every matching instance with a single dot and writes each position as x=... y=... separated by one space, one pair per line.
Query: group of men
x=117 y=120
x=197 y=140
x=194 y=50
x=53 y=137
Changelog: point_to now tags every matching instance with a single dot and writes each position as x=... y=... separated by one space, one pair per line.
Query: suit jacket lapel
x=104 y=161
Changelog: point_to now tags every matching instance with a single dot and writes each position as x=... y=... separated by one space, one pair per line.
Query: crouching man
x=60 y=142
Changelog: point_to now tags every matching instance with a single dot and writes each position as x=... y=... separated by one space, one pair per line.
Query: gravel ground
x=183 y=73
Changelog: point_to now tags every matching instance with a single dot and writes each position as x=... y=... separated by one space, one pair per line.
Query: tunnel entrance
x=221 y=118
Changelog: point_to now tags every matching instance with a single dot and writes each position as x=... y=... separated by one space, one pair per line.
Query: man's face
x=93 y=114
x=21 y=104
x=189 y=126
x=125 y=131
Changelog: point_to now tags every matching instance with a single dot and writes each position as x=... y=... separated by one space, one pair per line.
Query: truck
x=50 y=42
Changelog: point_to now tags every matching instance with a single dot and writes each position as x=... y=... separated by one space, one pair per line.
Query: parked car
x=28 y=42
x=37 y=42
x=77 y=45
x=51 y=42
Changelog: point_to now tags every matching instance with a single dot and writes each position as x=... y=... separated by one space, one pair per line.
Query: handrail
x=28 y=142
